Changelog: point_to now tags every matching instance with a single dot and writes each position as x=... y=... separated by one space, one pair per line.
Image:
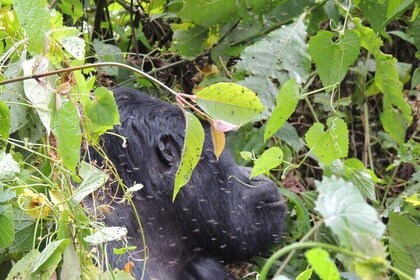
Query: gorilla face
x=219 y=213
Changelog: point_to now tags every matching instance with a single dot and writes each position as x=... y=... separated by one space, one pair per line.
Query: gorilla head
x=219 y=215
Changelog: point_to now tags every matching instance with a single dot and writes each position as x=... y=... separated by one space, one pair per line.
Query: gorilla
x=219 y=216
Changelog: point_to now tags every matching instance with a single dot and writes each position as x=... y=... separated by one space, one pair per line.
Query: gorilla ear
x=167 y=149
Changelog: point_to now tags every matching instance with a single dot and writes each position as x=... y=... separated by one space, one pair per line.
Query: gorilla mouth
x=274 y=204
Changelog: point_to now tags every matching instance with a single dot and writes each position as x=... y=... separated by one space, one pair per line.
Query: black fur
x=220 y=215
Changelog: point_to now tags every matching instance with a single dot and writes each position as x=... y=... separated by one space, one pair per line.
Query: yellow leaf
x=218 y=138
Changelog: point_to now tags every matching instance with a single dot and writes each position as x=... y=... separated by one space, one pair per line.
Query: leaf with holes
x=191 y=152
x=229 y=102
x=328 y=145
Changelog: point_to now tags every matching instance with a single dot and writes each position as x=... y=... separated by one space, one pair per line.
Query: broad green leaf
x=375 y=11
x=396 y=115
x=328 y=145
x=191 y=41
x=305 y=275
x=219 y=141
x=66 y=129
x=22 y=268
x=368 y=39
x=102 y=110
x=52 y=247
x=7 y=232
x=280 y=56
x=39 y=94
x=93 y=178
x=6 y=194
x=106 y=234
x=404 y=243
x=9 y=168
x=209 y=12
x=333 y=59
x=270 y=159
x=191 y=152
x=35 y=19
x=286 y=103
x=4 y=120
x=71 y=268
x=229 y=102
x=380 y=13
x=24 y=232
x=345 y=211
x=323 y=265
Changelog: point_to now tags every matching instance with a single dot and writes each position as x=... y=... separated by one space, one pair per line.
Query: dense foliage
x=335 y=123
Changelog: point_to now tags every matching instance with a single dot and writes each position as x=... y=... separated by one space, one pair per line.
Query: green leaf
x=375 y=11
x=345 y=211
x=209 y=12
x=48 y=252
x=305 y=275
x=35 y=19
x=286 y=103
x=4 y=120
x=7 y=232
x=333 y=59
x=229 y=102
x=73 y=8
x=66 y=129
x=191 y=41
x=24 y=232
x=71 y=268
x=396 y=115
x=191 y=152
x=22 y=268
x=102 y=110
x=93 y=179
x=6 y=194
x=9 y=168
x=328 y=145
x=404 y=243
x=278 y=57
x=303 y=223
x=321 y=262
x=381 y=13
x=270 y=159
